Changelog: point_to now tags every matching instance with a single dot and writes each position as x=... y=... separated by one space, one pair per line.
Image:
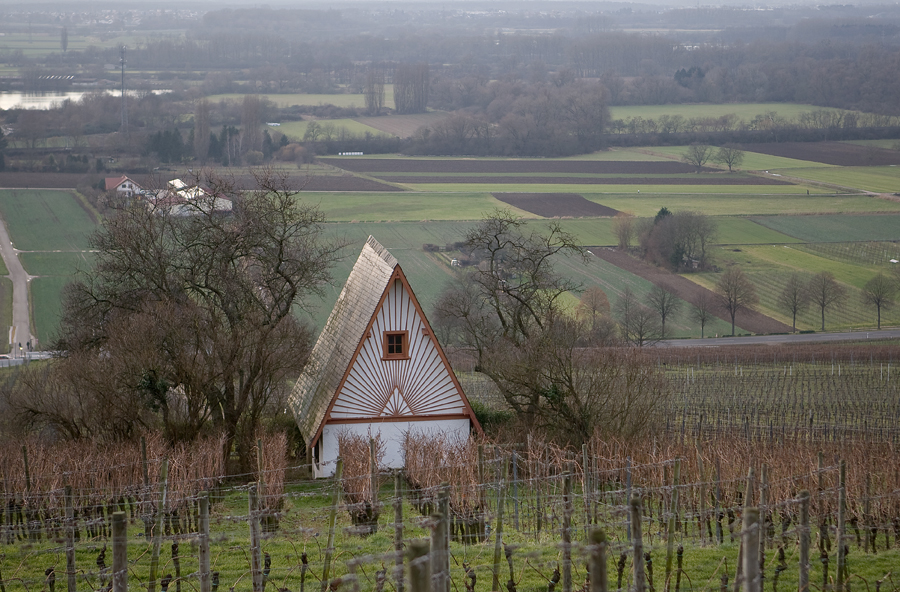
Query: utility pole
x=124 y=106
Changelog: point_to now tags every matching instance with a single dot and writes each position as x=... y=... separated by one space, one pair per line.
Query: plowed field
x=506 y=180
x=482 y=166
x=835 y=153
x=551 y=205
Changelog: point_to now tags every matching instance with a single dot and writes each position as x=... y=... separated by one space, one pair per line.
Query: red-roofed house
x=123 y=186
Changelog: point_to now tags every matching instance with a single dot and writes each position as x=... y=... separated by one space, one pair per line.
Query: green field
x=404 y=206
x=883 y=179
x=66 y=264
x=40 y=220
x=613 y=188
x=6 y=297
x=824 y=228
x=46 y=306
x=291 y=99
x=753 y=161
x=295 y=130
x=745 y=111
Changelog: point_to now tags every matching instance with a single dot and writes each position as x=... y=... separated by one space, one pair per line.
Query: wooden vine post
x=567 y=532
x=598 y=576
x=842 y=509
x=803 y=584
x=673 y=520
x=255 y=543
x=70 y=541
x=419 y=566
x=750 y=536
x=204 y=543
x=398 y=530
x=498 y=534
x=637 y=544
x=120 y=552
x=332 y=517
x=157 y=524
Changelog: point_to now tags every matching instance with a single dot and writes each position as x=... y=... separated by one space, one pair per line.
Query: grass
x=295 y=130
x=6 y=307
x=613 y=188
x=291 y=99
x=46 y=305
x=45 y=219
x=882 y=179
x=404 y=206
x=753 y=161
x=833 y=228
x=66 y=264
x=745 y=111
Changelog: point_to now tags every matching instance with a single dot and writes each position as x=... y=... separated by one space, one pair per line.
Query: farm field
x=835 y=228
x=295 y=130
x=745 y=111
x=753 y=161
x=883 y=179
x=291 y=99
x=402 y=126
x=45 y=220
x=403 y=206
x=46 y=305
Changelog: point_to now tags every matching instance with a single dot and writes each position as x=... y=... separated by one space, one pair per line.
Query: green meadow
x=45 y=219
x=295 y=130
x=291 y=99
x=744 y=111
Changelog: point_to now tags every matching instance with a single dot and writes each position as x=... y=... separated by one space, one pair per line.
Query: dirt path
x=748 y=320
x=20 y=332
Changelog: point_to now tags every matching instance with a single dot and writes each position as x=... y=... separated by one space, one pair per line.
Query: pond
x=46 y=100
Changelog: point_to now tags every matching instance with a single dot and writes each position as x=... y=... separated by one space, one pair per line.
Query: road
x=20 y=332
x=783 y=339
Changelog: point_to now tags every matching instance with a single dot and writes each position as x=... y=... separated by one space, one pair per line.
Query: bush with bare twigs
x=361 y=493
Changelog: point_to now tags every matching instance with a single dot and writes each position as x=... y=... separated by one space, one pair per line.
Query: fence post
x=804 y=542
x=120 y=552
x=498 y=534
x=597 y=567
x=637 y=544
x=673 y=520
x=204 y=542
x=70 y=541
x=335 y=500
x=763 y=515
x=440 y=549
x=515 y=488
x=842 y=508
x=419 y=566
x=701 y=510
x=157 y=524
x=398 y=530
x=567 y=532
x=750 y=536
x=742 y=550
x=586 y=489
x=627 y=498
x=255 y=548
x=373 y=477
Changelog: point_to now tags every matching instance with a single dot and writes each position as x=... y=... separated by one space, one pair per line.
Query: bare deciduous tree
x=664 y=303
x=735 y=292
x=623 y=226
x=824 y=291
x=702 y=310
x=697 y=155
x=639 y=325
x=794 y=298
x=879 y=292
x=592 y=305
x=192 y=315
x=730 y=156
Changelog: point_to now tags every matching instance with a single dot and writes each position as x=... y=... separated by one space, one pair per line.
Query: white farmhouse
x=123 y=186
x=377 y=368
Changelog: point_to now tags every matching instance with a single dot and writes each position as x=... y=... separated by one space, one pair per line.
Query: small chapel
x=377 y=369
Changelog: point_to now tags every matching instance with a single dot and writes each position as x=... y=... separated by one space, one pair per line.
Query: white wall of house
x=392 y=434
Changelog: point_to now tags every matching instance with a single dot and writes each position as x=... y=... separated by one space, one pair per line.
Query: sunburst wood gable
x=419 y=387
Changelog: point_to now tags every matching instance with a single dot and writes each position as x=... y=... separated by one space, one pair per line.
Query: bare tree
x=194 y=315
x=697 y=155
x=736 y=292
x=201 y=130
x=638 y=323
x=374 y=91
x=592 y=306
x=702 y=310
x=623 y=226
x=824 y=291
x=251 y=124
x=665 y=303
x=879 y=292
x=64 y=39
x=730 y=156
x=794 y=298
x=411 y=86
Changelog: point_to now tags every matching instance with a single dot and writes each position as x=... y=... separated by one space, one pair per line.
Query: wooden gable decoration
x=377 y=361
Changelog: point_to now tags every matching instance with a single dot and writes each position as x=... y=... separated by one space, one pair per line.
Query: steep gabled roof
x=114 y=182
x=349 y=325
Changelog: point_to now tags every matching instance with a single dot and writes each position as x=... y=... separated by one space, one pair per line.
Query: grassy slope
x=45 y=220
x=824 y=228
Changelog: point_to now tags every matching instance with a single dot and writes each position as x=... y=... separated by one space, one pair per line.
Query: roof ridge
x=381 y=251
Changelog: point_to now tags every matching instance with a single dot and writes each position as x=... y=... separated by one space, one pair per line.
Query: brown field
x=834 y=153
x=48 y=180
x=598 y=167
x=551 y=205
x=693 y=180
x=402 y=126
x=749 y=320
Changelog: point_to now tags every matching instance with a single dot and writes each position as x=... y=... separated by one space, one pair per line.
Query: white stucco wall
x=392 y=433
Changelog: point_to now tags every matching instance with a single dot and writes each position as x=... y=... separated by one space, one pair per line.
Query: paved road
x=21 y=322
x=783 y=339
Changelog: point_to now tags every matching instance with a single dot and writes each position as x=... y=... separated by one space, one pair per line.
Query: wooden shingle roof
x=338 y=341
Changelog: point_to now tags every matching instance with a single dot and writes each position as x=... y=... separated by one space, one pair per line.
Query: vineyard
x=750 y=429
